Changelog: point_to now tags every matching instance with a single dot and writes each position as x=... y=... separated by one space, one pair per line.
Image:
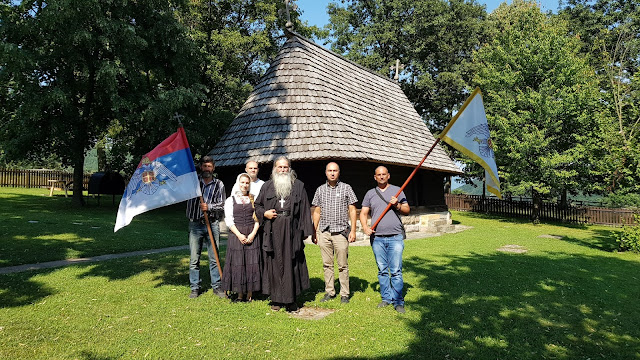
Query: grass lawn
x=37 y=228
x=568 y=297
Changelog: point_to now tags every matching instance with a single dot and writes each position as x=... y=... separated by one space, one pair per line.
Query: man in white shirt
x=256 y=184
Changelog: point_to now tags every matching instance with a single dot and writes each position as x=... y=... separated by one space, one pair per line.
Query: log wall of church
x=427 y=189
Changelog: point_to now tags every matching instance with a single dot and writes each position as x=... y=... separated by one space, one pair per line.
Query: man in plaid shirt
x=334 y=206
x=214 y=196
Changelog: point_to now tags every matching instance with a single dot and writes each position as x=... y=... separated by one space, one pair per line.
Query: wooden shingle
x=314 y=104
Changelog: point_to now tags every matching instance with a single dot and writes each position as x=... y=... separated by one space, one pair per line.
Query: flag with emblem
x=469 y=132
x=166 y=175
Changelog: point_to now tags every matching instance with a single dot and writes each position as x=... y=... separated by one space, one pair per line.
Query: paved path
x=59 y=263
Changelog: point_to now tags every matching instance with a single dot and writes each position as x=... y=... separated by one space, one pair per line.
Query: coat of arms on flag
x=166 y=175
x=469 y=132
x=149 y=177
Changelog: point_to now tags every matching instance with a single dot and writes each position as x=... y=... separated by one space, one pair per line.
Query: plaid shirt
x=334 y=202
x=213 y=195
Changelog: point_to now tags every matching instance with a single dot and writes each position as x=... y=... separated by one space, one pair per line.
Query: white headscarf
x=235 y=190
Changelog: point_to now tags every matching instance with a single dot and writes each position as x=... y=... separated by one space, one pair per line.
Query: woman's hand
x=242 y=238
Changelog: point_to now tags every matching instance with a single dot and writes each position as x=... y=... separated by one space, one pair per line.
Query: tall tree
x=234 y=40
x=610 y=31
x=434 y=39
x=72 y=69
x=541 y=100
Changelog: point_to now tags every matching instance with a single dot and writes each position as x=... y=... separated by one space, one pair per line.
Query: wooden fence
x=523 y=208
x=36 y=178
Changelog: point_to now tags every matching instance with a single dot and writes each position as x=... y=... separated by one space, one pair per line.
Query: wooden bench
x=60 y=184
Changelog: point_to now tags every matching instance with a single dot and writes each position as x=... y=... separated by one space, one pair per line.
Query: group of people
x=269 y=221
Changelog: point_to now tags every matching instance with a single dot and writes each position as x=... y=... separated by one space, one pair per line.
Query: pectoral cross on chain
x=282 y=202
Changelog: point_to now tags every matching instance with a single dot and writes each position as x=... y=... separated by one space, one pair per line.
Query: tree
x=609 y=30
x=234 y=40
x=541 y=101
x=434 y=39
x=71 y=70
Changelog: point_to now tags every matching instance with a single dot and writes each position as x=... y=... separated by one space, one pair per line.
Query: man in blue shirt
x=387 y=240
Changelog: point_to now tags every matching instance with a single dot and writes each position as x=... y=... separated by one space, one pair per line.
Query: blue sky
x=315 y=11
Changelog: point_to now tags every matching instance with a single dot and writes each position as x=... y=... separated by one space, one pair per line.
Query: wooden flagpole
x=373 y=227
x=446 y=130
x=206 y=216
x=213 y=243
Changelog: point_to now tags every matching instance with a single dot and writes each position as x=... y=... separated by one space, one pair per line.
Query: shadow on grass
x=91 y=356
x=496 y=306
x=511 y=306
x=356 y=285
x=20 y=289
x=601 y=240
x=39 y=228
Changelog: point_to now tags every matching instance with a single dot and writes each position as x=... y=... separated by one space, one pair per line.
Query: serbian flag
x=166 y=175
x=469 y=132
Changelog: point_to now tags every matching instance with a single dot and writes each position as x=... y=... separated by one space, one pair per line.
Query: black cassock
x=285 y=273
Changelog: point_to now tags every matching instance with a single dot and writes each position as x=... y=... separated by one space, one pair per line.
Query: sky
x=315 y=11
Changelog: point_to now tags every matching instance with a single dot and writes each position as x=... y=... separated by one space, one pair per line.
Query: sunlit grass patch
x=564 y=298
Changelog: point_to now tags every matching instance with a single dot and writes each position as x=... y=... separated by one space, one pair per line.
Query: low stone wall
x=419 y=220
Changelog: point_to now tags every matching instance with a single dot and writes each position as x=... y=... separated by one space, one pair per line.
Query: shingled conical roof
x=313 y=104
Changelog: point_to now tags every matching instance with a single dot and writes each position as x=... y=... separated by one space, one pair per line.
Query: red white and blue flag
x=166 y=175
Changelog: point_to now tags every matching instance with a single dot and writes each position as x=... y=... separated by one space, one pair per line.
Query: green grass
x=37 y=228
x=569 y=298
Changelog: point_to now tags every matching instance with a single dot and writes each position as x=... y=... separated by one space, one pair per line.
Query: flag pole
x=373 y=227
x=178 y=117
x=445 y=131
x=213 y=244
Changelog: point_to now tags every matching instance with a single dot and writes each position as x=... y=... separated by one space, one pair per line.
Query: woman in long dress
x=242 y=270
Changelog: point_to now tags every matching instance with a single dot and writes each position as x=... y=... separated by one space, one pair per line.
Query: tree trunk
x=537 y=205
x=102 y=155
x=563 y=200
x=484 y=196
x=78 y=179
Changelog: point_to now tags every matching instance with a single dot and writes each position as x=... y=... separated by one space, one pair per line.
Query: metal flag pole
x=373 y=227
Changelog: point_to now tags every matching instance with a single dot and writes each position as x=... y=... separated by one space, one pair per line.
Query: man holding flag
x=468 y=132
x=387 y=240
x=214 y=196
x=166 y=175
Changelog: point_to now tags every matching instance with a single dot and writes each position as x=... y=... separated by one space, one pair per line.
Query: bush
x=617 y=201
x=629 y=238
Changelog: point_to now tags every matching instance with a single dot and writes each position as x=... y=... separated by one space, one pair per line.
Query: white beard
x=283 y=184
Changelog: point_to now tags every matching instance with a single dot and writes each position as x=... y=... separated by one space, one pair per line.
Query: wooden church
x=315 y=106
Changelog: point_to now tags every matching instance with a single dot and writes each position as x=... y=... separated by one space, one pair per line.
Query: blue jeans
x=388 y=253
x=199 y=237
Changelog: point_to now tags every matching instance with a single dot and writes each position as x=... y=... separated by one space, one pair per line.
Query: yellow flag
x=469 y=132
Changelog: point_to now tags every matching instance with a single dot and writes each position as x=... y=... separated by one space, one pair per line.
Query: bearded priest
x=284 y=213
